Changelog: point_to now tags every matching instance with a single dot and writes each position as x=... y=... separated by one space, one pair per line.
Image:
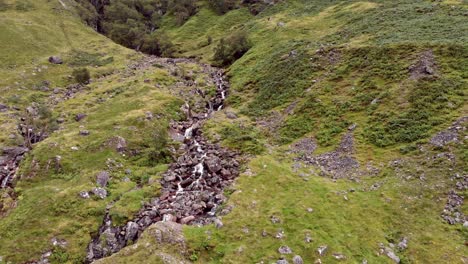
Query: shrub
x=183 y=9
x=222 y=6
x=3 y=5
x=231 y=48
x=157 y=44
x=81 y=75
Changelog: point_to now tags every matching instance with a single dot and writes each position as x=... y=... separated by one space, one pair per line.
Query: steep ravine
x=192 y=188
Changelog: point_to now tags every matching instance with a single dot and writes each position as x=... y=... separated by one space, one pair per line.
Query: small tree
x=81 y=75
x=36 y=124
x=231 y=48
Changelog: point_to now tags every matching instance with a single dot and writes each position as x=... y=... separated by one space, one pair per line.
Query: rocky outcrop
x=192 y=188
x=9 y=162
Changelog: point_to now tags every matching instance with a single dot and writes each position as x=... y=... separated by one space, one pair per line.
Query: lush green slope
x=394 y=70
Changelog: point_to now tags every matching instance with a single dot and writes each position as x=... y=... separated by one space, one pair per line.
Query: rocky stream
x=192 y=188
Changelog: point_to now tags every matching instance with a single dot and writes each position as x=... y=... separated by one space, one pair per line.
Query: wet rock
x=284 y=250
x=102 y=178
x=79 y=117
x=55 y=60
x=214 y=164
x=297 y=260
x=322 y=250
x=100 y=192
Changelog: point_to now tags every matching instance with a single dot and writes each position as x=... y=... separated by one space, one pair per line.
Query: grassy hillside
x=337 y=103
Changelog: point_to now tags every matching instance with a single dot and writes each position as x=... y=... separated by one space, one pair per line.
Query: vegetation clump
x=81 y=75
x=231 y=48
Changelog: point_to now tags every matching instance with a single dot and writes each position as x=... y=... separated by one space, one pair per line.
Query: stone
x=56 y=90
x=310 y=210
x=118 y=143
x=55 y=60
x=60 y=120
x=84 y=194
x=187 y=219
x=79 y=117
x=339 y=256
x=231 y=115
x=149 y=115
x=100 y=192
x=322 y=250
x=131 y=231
x=102 y=178
x=32 y=111
x=218 y=223
x=275 y=220
x=3 y=107
x=213 y=164
x=285 y=250
x=168 y=233
x=297 y=260
x=308 y=238
x=390 y=254
x=403 y=244
x=282 y=261
x=84 y=133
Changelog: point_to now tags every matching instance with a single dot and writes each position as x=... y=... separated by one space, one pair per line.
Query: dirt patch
x=425 y=66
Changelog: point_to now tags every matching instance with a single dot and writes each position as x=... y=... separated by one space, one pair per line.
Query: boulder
x=100 y=192
x=118 y=143
x=285 y=250
x=322 y=250
x=55 y=60
x=3 y=107
x=79 y=117
x=297 y=260
x=102 y=178
x=187 y=219
x=131 y=231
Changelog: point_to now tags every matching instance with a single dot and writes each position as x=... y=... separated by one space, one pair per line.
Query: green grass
x=331 y=60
